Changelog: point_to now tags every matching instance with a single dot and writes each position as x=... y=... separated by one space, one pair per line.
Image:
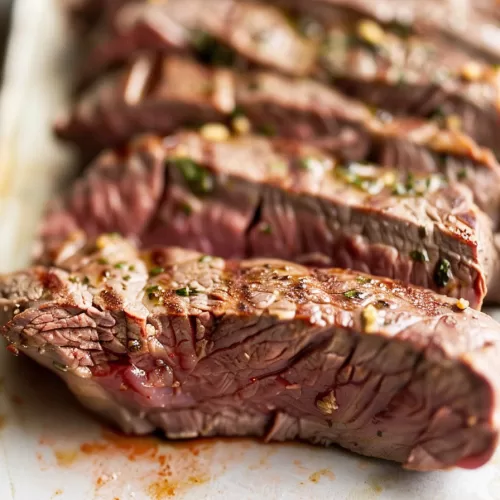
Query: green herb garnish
x=119 y=265
x=199 y=180
x=86 y=280
x=102 y=261
x=363 y=280
x=462 y=174
x=420 y=255
x=74 y=279
x=156 y=271
x=402 y=30
x=309 y=163
x=205 y=258
x=152 y=291
x=209 y=50
x=353 y=294
x=187 y=208
x=266 y=228
x=267 y=129
x=134 y=345
x=186 y=291
x=442 y=272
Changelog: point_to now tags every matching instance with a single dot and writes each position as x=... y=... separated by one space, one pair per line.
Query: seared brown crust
x=250 y=196
x=381 y=368
x=408 y=75
x=161 y=95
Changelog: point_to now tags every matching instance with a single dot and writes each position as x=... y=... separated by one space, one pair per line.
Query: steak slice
x=196 y=346
x=462 y=25
x=411 y=77
x=250 y=197
x=156 y=94
x=404 y=75
x=227 y=32
x=160 y=95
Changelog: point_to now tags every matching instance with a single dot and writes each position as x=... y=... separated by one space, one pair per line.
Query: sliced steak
x=405 y=75
x=228 y=31
x=409 y=77
x=196 y=346
x=252 y=197
x=464 y=25
x=160 y=95
x=87 y=14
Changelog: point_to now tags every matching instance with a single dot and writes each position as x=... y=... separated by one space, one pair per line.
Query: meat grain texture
x=401 y=66
x=251 y=197
x=198 y=346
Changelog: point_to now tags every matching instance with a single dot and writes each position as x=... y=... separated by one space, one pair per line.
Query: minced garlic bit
x=242 y=125
x=104 y=240
x=454 y=123
x=462 y=304
x=328 y=404
x=215 y=132
x=388 y=179
x=180 y=151
x=370 y=318
x=472 y=71
x=370 y=32
x=471 y=421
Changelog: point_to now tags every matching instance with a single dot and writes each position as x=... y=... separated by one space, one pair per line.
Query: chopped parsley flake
x=363 y=280
x=309 y=163
x=152 y=291
x=420 y=255
x=134 y=345
x=442 y=273
x=205 y=258
x=210 y=51
x=156 y=271
x=267 y=129
x=186 y=291
x=353 y=294
x=199 y=180
x=102 y=261
x=186 y=208
x=266 y=228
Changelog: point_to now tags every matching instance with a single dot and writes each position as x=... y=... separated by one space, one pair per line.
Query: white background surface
x=50 y=448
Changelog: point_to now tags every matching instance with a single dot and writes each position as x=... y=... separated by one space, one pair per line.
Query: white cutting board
x=50 y=448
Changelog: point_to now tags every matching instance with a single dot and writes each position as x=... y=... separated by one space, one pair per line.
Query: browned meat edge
x=410 y=76
x=197 y=346
x=160 y=95
x=250 y=196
